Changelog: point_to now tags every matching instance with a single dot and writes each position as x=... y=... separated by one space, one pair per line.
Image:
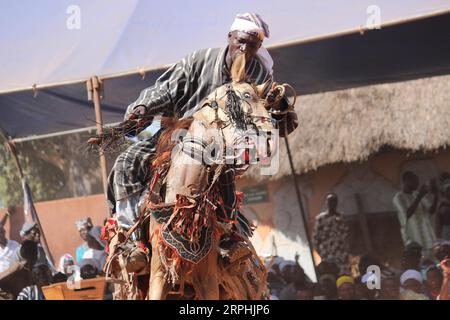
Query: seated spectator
x=345 y=287
x=42 y=276
x=289 y=292
x=433 y=282
x=441 y=250
x=362 y=291
x=294 y=276
x=7 y=249
x=287 y=270
x=306 y=291
x=390 y=286
x=328 y=266
x=18 y=275
x=59 y=277
x=327 y=272
x=275 y=282
x=30 y=231
x=274 y=279
x=66 y=263
x=93 y=247
x=88 y=270
x=327 y=287
x=411 y=282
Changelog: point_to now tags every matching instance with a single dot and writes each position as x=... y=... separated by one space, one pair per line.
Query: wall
x=58 y=221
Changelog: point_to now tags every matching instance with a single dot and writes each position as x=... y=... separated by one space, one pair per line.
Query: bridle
x=236 y=116
x=234 y=111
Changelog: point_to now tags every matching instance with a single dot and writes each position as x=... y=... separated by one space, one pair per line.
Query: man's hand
x=445 y=266
x=140 y=111
x=274 y=96
x=137 y=112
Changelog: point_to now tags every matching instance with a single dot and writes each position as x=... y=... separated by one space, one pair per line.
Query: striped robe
x=178 y=91
x=31 y=293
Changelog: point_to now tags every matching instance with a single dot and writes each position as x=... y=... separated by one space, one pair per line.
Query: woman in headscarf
x=93 y=247
x=65 y=262
x=345 y=286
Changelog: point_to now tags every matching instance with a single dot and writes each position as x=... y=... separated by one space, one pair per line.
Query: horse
x=192 y=204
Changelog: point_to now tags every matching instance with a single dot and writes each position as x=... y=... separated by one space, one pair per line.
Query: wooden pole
x=363 y=224
x=94 y=86
x=300 y=204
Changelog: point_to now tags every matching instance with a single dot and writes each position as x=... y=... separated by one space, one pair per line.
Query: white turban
x=63 y=259
x=410 y=274
x=252 y=22
x=84 y=223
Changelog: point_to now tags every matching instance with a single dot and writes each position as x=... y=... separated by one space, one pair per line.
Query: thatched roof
x=349 y=125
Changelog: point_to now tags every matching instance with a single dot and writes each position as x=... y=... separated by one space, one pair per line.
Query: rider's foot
x=137 y=261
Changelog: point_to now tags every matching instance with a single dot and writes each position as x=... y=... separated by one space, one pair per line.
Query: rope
x=282 y=94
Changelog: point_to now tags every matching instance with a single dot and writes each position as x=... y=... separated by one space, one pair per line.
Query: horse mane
x=165 y=143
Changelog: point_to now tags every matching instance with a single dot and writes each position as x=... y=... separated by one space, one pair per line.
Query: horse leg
x=158 y=287
x=207 y=278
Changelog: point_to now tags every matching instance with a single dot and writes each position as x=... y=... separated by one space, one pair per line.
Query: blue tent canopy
x=316 y=47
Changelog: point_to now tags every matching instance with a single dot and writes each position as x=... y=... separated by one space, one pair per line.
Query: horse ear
x=261 y=89
x=238 y=69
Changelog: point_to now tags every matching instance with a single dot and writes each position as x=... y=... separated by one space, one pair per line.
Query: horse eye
x=247 y=95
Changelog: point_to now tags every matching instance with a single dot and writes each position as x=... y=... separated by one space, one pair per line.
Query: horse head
x=235 y=115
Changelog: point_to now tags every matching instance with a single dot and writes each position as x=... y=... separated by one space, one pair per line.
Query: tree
x=44 y=178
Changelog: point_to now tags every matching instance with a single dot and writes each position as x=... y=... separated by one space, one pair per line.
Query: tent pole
x=12 y=150
x=96 y=88
x=300 y=204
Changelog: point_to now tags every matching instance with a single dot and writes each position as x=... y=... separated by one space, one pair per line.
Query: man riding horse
x=178 y=92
